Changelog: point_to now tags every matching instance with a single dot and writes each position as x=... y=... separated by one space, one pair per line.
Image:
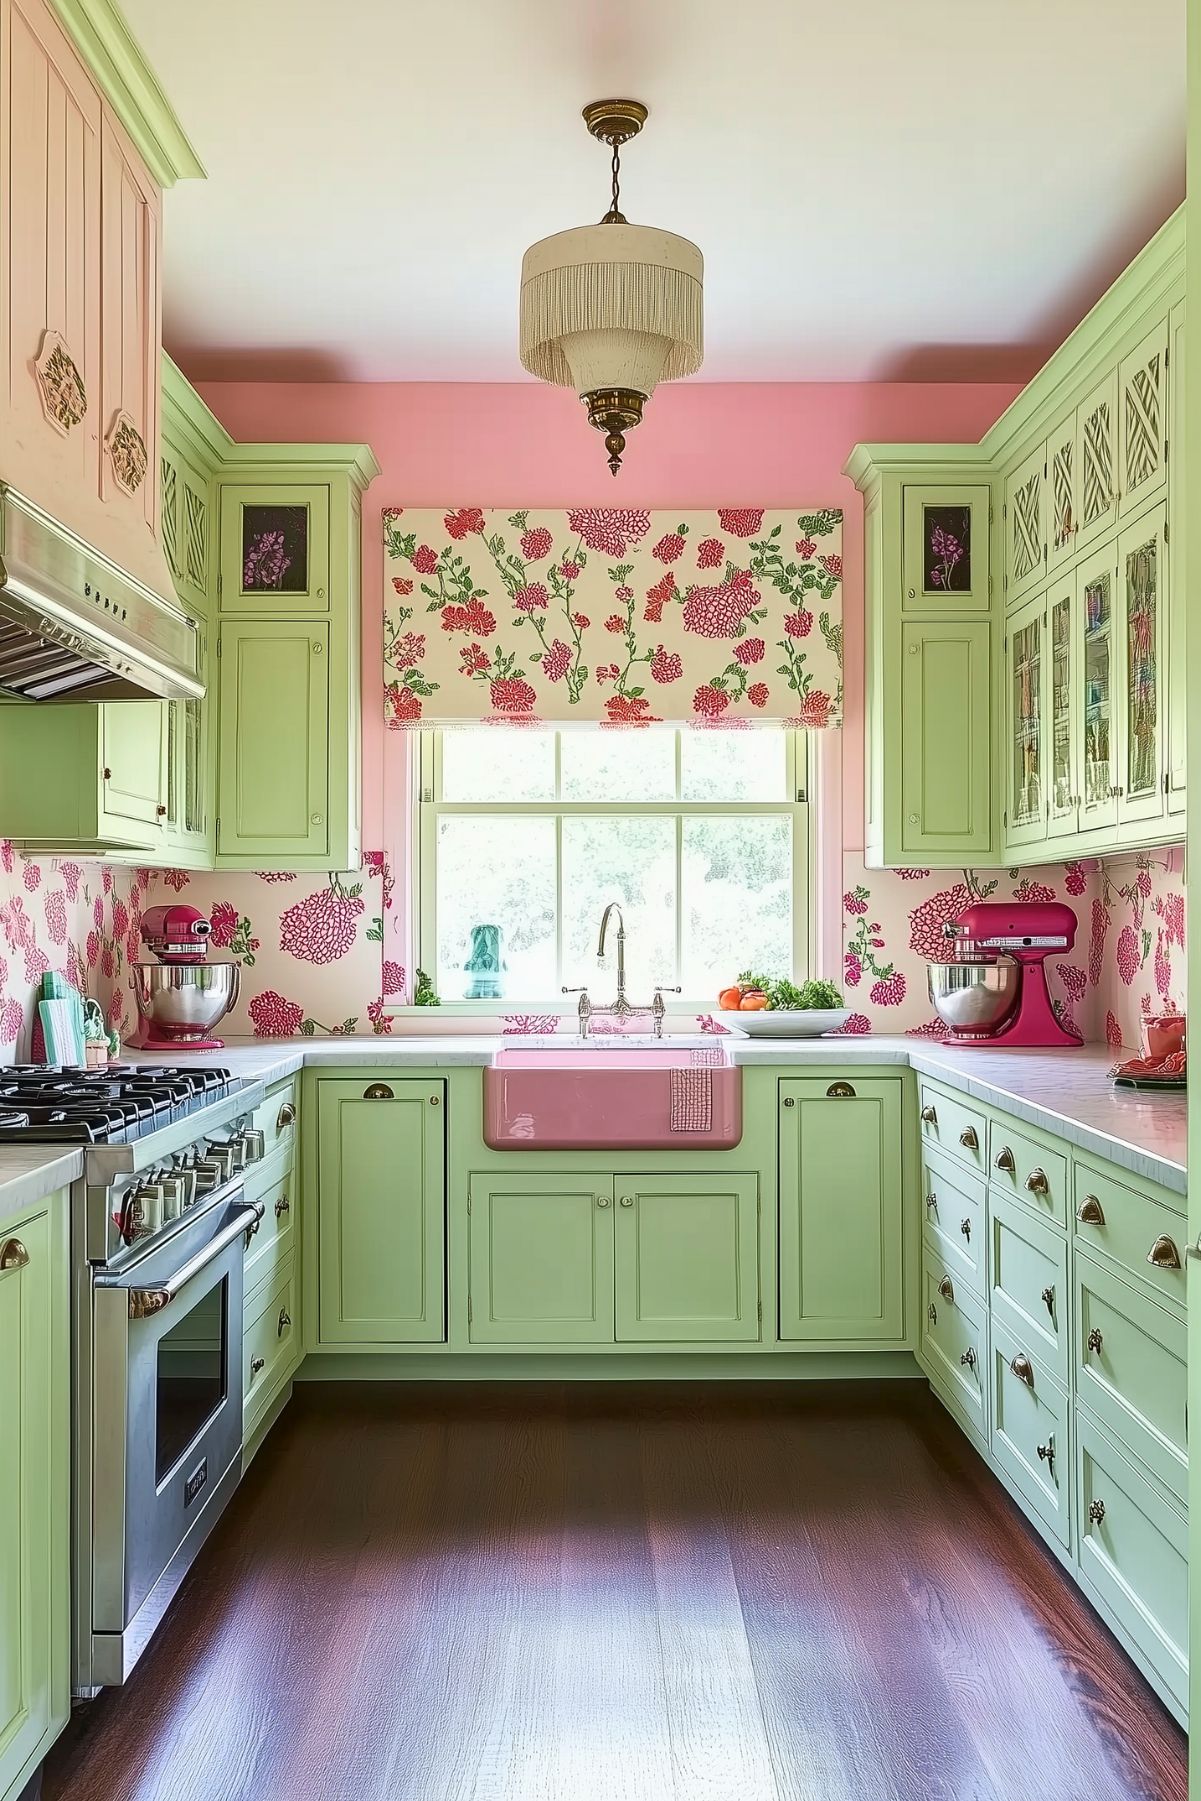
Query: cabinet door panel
x=381 y=1212
x=1061 y=493
x=687 y=1257
x=275 y=549
x=1098 y=692
x=946 y=761
x=841 y=1210
x=131 y=333
x=1097 y=462
x=273 y=750
x=1176 y=650
x=1026 y=681
x=1132 y=1371
x=133 y=747
x=1028 y=1282
x=1063 y=686
x=955 y=1340
x=1142 y=575
x=1030 y=1432
x=1026 y=525
x=944 y=558
x=1143 y=420
x=49 y=262
x=541 y=1259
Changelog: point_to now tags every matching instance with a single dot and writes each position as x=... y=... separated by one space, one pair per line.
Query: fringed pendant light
x=614 y=308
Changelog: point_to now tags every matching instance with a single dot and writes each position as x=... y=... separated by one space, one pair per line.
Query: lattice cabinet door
x=1142 y=611
x=1143 y=420
x=1097 y=689
x=1063 y=685
x=1025 y=518
x=944 y=558
x=1025 y=673
x=1097 y=462
x=1176 y=676
x=1061 y=494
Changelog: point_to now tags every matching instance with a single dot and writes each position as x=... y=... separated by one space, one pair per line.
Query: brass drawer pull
x=1022 y=1369
x=282 y=1206
x=932 y=1314
x=968 y=1138
x=378 y=1091
x=284 y=1321
x=1047 y=1454
x=1093 y=1341
x=1048 y=1299
x=257 y=1364
x=840 y=1091
x=929 y=1116
x=1037 y=1182
x=286 y=1117
x=1096 y=1512
x=1163 y=1254
x=931 y=1202
x=969 y=1358
x=965 y=1226
x=13 y=1255
x=946 y=1291
x=1004 y=1160
x=1090 y=1212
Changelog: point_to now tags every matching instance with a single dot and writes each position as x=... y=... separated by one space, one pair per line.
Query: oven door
x=166 y=1423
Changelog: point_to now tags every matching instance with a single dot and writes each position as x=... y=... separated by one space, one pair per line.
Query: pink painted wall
x=521 y=445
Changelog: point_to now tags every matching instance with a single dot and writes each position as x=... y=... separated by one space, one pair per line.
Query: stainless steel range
x=159 y=1221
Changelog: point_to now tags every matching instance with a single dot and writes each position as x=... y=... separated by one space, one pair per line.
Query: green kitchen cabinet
x=186 y=502
x=273 y=739
x=275 y=548
x=1176 y=656
x=687 y=1258
x=1024 y=516
x=1026 y=672
x=381 y=1211
x=84 y=777
x=1097 y=460
x=1142 y=583
x=945 y=738
x=1098 y=692
x=944 y=549
x=1143 y=413
x=842 y=1228
x=1061 y=498
x=35 y=1550
x=541 y=1258
x=1062 y=752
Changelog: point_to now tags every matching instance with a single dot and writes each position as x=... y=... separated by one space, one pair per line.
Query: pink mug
x=1163 y=1033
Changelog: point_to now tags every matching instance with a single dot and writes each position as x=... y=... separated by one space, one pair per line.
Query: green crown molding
x=191 y=421
x=131 y=87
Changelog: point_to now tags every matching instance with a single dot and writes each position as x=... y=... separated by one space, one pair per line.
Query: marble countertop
x=28 y=1172
x=1065 y=1092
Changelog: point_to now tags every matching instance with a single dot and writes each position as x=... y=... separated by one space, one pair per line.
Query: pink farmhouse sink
x=606 y=1095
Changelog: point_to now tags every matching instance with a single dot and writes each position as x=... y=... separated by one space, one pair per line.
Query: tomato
x=730 y=999
x=753 y=1002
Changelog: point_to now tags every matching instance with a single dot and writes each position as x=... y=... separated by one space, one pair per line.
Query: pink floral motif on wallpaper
x=322 y=927
x=79 y=920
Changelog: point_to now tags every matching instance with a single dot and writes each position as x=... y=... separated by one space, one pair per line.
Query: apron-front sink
x=610 y=1093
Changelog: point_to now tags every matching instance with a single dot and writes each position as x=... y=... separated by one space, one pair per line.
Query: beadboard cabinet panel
x=131 y=335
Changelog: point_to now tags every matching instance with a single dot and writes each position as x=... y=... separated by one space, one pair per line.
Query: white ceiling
x=881 y=188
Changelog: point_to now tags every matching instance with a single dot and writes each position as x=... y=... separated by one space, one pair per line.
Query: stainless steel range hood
x=73 y=626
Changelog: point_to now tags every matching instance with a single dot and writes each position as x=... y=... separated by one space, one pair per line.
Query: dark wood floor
x=572 y=1593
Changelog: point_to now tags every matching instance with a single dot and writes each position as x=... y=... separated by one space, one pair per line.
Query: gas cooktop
x=44 y=1104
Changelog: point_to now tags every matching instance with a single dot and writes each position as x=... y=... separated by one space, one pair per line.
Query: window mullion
x=558 y=891
x=679 y=897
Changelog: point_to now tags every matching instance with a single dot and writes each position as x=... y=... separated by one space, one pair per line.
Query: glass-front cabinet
x=1027 y=722
x=1142 y=568
x=1063 y=780
x=1096 y=727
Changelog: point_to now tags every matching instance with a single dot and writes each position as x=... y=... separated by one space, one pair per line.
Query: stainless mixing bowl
x=184 y=1000
x=975 y=997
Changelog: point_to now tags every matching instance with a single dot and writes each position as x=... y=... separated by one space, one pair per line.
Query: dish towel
x=691 y=1100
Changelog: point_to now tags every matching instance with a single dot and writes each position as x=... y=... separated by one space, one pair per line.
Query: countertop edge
x=28 y=1173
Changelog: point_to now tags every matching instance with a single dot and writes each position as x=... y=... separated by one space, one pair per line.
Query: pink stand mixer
x=181 y=995
x=994 y=990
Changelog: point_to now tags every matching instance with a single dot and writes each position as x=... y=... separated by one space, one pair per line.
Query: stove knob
x=254 y=1145
x=210 y=1173
x=225 y=1156
x=172 y=1187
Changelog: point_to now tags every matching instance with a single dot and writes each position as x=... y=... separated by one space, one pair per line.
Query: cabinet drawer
x=953 y=1126
x=1029 y=1430
x=1122 y=1225
x=1024 y=1169
x=276 y=1116
x=1132 y=1370
x=954 y=1221
x=1134 y=1552
x=270 y=1346
x=955 y=1342
x=273 y=1242
x=1028 y=1282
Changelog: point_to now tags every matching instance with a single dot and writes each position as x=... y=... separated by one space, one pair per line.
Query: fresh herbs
x=784 y=996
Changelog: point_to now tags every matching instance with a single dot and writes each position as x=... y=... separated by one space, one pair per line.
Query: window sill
x=677 y=1008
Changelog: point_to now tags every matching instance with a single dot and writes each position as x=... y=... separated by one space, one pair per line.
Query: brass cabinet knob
x=257 y=1364
x=1090 y=1212
x=1163 y=1254
x=1004 y=1160
x=1096 y=1512
x=378 y=1091
x=929 y=1116
x=627 y=1200
x=282 y=1206
x=840 y=1091
x=946 y=1290
x=1047 y=1454
x=931 y=1202
x=13 y=1255
x=1094 y=1341
x=318 y=647
x=788 y=1101
x=602 y=1200
x=160 y=809
x=968 y=1138
x=1023 y=1369
x=932 y=1314
x=283 y=1322
x=286 y=1117
x=1037 y=1182
x=968 y=1358
x=965 y=1226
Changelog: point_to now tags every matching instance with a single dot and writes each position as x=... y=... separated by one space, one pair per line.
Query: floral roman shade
x=612 y=616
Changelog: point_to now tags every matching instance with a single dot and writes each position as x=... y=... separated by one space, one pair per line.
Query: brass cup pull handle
x=1094 y=1341
x=283 y=1322
x=946 y=1290
x=1096 y=1512
x=257 y=1364
x=1163 y=1254
x=286 y=1117
x=13 y=1255
x=968 y=1358
x=965 y=1226
x=1023 y=1369
x=1037 y=1182
x=1090 y=1211
x=282 y=1206
x=840 y=1091
x=378 y=1091
x=1048 y=1298
x=968 y=1138
x=929 y=1116
x=1004 y=1160
x=932 y=1314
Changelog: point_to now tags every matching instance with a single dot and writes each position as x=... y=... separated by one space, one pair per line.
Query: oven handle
x=145 y=1301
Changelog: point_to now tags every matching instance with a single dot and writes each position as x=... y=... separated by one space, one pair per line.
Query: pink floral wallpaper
x=80 y=919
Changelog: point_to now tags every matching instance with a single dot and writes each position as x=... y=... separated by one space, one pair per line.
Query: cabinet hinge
x=1004 y=817
x=1167 y=451
x=1167 y=532
x=217 y=824
x=990 y=512
x=802 y=795
x=218 y=647
x=469 y=1203
x=1167 y=781
x=760 y=1309
x=470 y=1311
x=1005 y=582
x=218 y=583
x=1005 y=510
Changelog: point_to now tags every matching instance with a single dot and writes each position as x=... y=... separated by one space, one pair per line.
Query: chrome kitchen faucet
x=621 y=1008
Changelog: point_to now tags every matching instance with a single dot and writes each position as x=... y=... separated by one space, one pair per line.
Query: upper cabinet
x=944 y=557
x=131 y=334
x=274 y=548
x=1084 y=630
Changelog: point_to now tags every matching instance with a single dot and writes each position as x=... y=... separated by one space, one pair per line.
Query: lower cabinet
x=35 y=1549
x=381 y=1211
x=271 y=1345
x=1029 y=1435
x=955 y=1343
x=590 y=1258
x=841 y=1209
